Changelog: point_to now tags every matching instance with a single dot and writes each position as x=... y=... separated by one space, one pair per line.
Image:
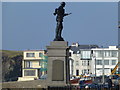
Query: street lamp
x=94 y=57
x=103 y=77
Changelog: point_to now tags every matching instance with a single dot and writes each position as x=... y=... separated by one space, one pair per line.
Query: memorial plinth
x=58 y=63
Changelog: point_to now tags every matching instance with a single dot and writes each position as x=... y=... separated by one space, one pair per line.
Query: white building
x=83 y=57
x=80 y=59
x=105 y=58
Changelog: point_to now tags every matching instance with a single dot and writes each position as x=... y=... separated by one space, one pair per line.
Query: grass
x=11 y=53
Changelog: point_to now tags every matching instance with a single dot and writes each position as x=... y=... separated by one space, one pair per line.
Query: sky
x=119 y=24
x=31 y=25
x=0 y=25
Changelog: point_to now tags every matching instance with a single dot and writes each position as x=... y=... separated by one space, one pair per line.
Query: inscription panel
x=58 y=70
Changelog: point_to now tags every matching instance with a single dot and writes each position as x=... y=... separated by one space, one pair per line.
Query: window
x=99 y=53
x=113 y=62
x=40 y=54
x=85 y=71
x=29 y=72
x=74 y=52
x=88 y=71
x=28 y=64
x=113 y=53
x=107 y=54
x=85 y=63
x=99 y=62
x=88 y=63
x=77 y=63
x=106 y=62
x=30 y=54
x=85 y=55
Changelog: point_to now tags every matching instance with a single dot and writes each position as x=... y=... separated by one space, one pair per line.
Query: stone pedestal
x=58 y=64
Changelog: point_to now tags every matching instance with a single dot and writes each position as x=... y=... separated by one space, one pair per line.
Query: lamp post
x=95 y=67
x=94 y=57
x=103 y=77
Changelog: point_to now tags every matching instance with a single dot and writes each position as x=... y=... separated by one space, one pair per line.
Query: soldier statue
x=60 y=12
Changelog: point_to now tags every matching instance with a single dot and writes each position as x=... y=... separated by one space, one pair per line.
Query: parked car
x=104 y=85
x=114 y=76
x=83 y=82
x=89 y=85
x=92 y=86
x=116 y=83
x=75 y=81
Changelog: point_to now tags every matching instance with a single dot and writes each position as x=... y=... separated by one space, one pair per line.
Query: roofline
x=104 y=49
x=34 y=50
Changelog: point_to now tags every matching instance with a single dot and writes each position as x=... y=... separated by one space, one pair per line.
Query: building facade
x=80 y=59
x=34 y=65
x=83 y=60
x=90 y=59
x=105 y=58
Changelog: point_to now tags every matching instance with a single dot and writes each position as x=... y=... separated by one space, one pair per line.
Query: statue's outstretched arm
x=67 y=14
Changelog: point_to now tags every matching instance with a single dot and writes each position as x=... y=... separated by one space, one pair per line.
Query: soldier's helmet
x=62 y=3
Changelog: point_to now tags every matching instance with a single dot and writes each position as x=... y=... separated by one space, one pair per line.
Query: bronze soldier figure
x=60 y=12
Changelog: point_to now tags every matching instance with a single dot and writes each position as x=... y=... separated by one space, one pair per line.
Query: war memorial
x=58 y=62
x=58 y=68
